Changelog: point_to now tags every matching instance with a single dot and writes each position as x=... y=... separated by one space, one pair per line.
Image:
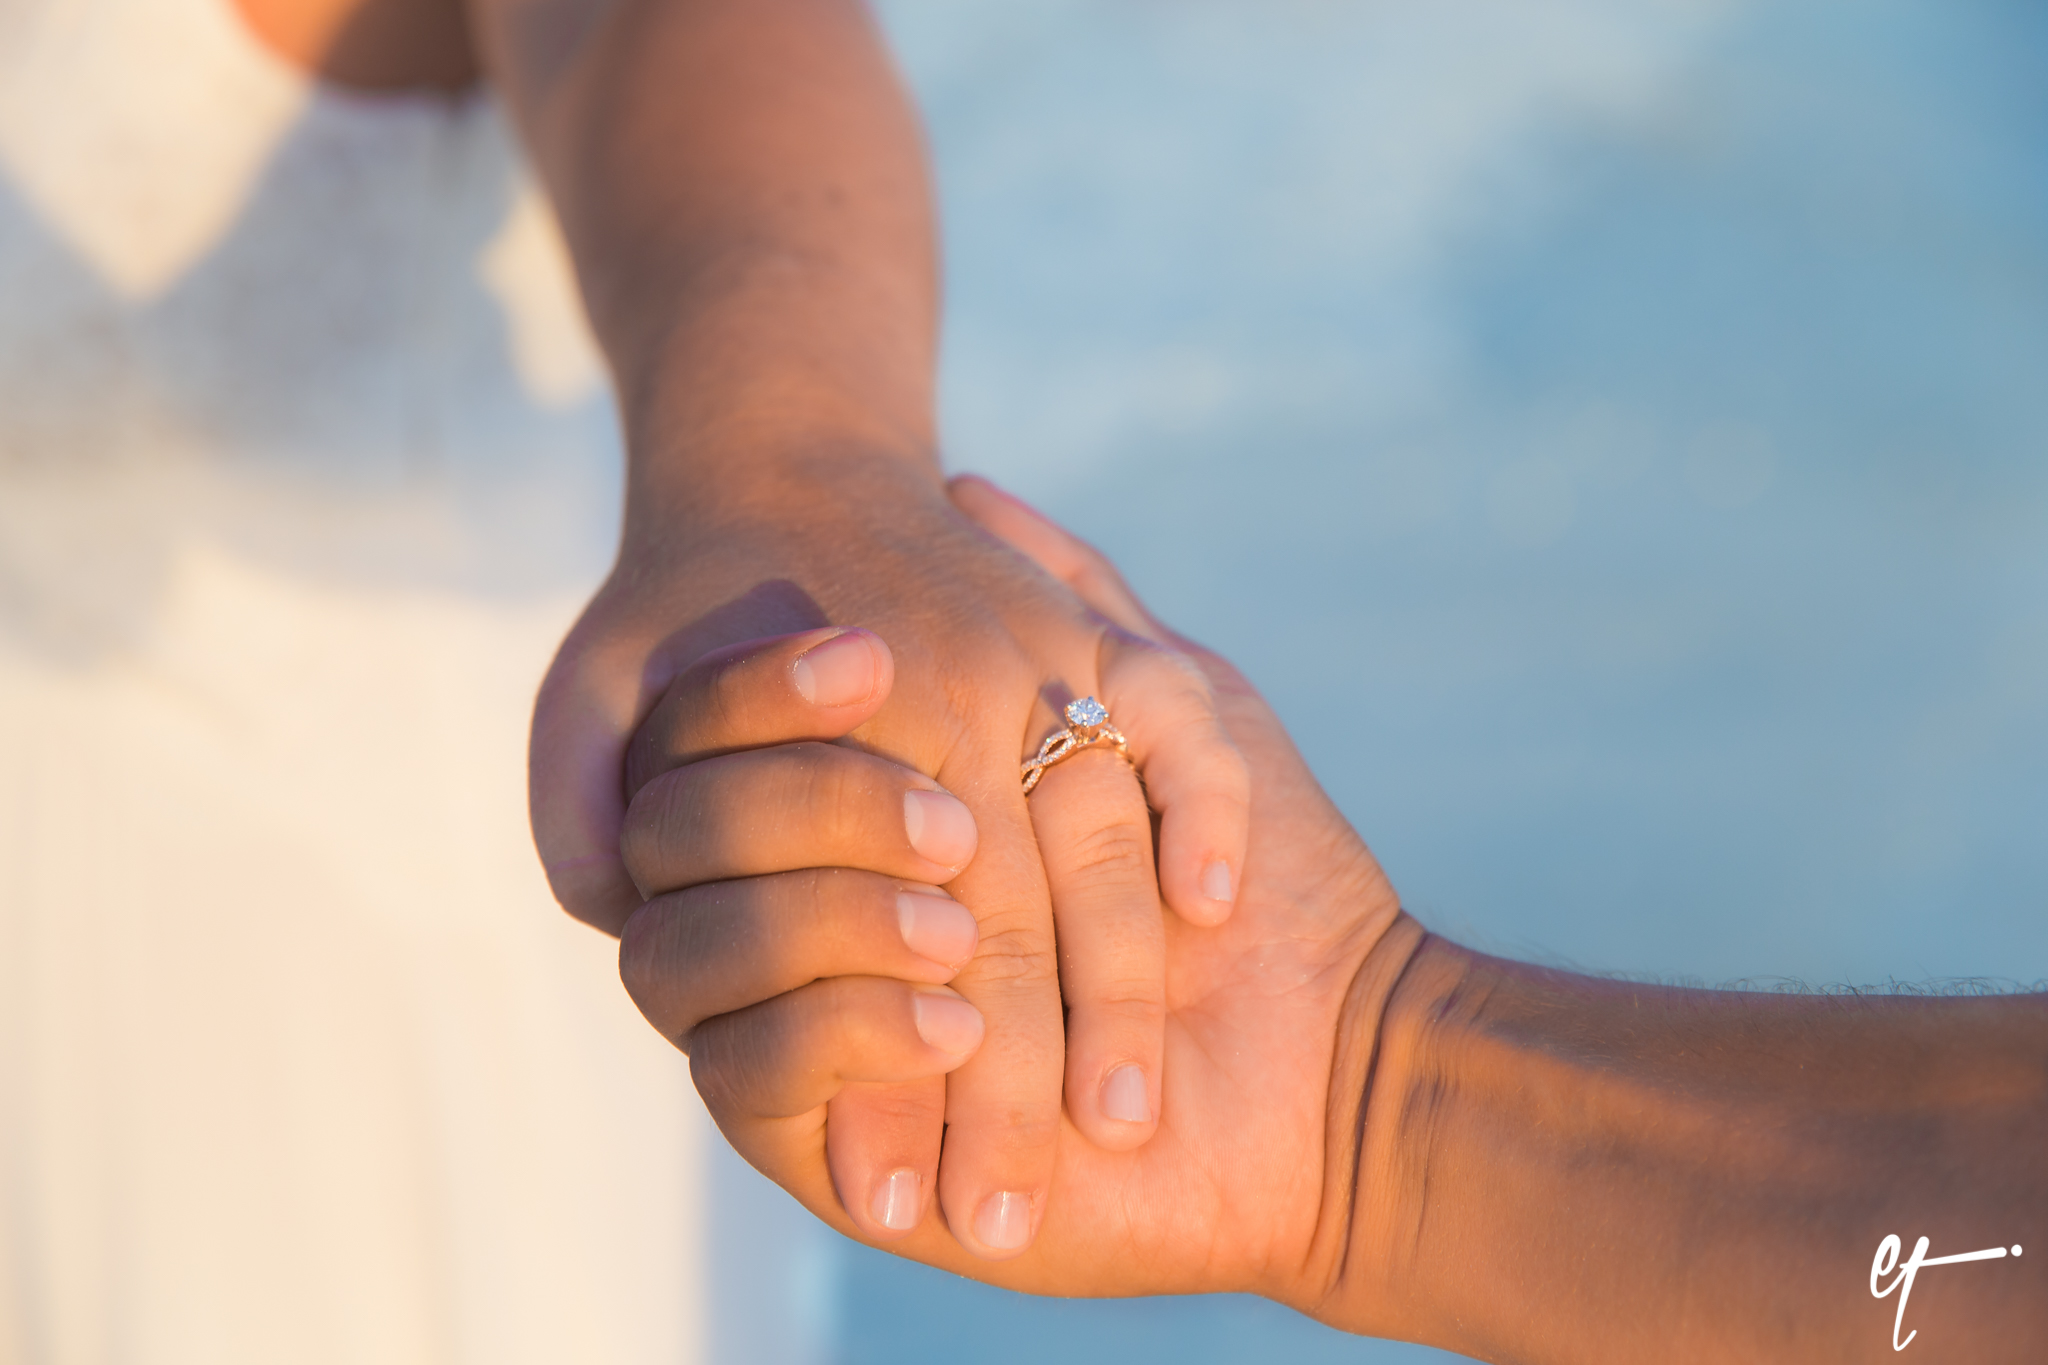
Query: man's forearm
x=1558 y=1168
x=742 y=185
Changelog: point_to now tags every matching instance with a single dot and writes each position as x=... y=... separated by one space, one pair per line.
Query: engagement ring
x=1087 y=726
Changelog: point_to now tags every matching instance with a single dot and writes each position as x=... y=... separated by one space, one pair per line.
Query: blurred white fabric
x=305 y=465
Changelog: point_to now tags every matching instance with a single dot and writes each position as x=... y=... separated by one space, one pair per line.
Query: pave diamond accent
x=1086 y=713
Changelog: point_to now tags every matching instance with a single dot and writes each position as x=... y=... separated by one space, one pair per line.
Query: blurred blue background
x=1611 y=433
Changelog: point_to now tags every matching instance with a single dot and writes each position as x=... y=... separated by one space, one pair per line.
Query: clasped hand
x=796 y=942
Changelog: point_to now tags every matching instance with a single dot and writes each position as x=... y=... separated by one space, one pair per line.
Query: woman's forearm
x=743 y=188
x=1560 y=1168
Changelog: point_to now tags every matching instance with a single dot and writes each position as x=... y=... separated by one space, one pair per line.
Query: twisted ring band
x=1087 y=726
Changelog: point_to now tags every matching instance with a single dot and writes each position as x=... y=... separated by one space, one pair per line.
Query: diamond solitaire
x=1087 y=726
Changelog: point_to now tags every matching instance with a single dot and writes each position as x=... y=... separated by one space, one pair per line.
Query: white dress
x=305 y=465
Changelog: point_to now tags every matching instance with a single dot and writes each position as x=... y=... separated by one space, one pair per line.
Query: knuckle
x=834 y=793
x=827 y=903
x=1225 y=774
x=1119 y=959
x=1027 y=1130
x=1013 y=957
x=1238 y=779
x=846 y=908
x=1113 y=852
x=642 y=959
x=817 y=898
x=842 y=1021
x=647 y=835
x=1210 y=792
x=753 y=1058
x=649 y=752
x=984 y=664
x=1133 y=1000
x=719 y=1063
x=1093 y=576
x=713 y=1084
x=902 y=1105
x=732 y=934
x=671 y=952
x=1130 y=652
x=1156 y=681
x=732 y=1076
x=679 y=838
x=726 y=693
x=635 y=836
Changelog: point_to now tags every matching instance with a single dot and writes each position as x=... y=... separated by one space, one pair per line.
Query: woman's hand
x=795 y=989
x=985 y=648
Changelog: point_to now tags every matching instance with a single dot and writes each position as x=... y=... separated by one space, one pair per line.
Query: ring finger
x=1095 y=836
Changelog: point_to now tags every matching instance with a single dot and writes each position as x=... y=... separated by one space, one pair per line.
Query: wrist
x=756 y=390
x=1388 y=1056
x=1362 y=1065
x=1492 y=1107
x=777 y=479
x=833 y=529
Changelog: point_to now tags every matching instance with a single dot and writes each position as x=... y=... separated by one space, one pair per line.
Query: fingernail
x=936 y=928
x=1003 y=1222
x=947 y=1022
x=940 y=828
x=895 y=1202
x=1216 y=882
x=1124 y=1097
x=839 y=672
